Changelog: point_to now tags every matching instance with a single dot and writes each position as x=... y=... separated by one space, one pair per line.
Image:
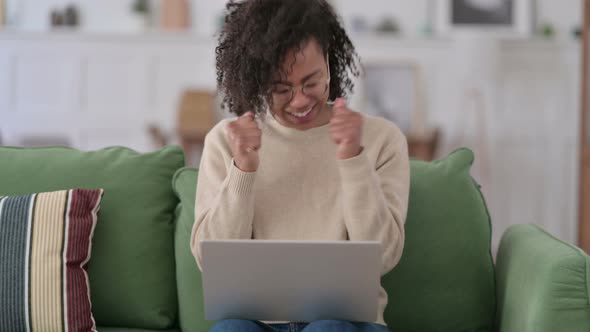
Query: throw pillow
x=45 y=245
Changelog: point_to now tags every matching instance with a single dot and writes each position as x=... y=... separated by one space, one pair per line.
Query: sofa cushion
x=445 y=278
x=190 y=292
x=132 y=273
x=121 y=329
x=45 y=246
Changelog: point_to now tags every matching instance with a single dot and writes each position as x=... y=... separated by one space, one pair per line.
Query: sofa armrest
x=542 y=283
x=188 y=277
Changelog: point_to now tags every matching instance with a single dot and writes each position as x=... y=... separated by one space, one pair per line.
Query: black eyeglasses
x=282 y=94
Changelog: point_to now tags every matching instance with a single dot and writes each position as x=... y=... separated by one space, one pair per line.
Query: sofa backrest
x=445 y=279
x=132 y=269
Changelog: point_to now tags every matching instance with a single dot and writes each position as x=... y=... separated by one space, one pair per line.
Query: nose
x=299 y=100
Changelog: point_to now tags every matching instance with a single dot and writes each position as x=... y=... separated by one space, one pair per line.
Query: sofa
x=143 y=277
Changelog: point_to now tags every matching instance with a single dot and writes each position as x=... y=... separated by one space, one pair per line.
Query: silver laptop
x=298 y=281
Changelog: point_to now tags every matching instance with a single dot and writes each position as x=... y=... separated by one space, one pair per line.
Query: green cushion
x=445 y=278
x=190 y=292
x=543 y=283
x=132 y=273
x=117 y=329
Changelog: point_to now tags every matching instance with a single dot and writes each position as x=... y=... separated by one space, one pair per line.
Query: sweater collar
x=273 y=127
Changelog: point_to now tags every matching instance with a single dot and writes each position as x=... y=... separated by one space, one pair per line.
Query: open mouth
x=302 y=116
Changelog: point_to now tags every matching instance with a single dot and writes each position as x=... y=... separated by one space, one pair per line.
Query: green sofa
x=144 y=278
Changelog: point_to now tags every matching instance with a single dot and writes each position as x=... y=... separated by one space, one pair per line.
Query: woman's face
x=299 y=98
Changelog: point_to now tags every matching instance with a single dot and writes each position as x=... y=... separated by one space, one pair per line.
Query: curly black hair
x=256 y=38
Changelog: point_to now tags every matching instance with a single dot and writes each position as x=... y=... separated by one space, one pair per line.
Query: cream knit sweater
x=302 y=192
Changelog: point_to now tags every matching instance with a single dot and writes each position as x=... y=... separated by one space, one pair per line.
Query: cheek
x=276 y=110
x=271 y=107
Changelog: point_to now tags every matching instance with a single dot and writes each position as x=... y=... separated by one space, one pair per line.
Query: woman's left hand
x=346 y=130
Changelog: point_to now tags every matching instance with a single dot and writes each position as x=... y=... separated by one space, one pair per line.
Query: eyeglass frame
x=294 y=88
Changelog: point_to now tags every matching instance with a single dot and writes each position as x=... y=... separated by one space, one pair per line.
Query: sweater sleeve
x=224 y=206
x=375 y=198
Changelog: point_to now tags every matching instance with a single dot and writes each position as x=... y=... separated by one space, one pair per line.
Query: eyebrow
x=317 y=71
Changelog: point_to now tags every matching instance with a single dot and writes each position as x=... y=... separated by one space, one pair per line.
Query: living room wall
x=114 y=15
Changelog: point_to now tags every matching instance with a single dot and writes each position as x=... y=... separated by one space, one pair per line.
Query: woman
x=294 y=164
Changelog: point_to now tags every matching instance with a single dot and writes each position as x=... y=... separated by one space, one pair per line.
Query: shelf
x=361 y=40
x=80 y=35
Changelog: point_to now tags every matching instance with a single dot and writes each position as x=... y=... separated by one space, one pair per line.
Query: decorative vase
x=175 y=14
x=2 y=14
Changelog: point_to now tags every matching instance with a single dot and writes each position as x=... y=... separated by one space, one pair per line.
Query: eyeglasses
x=283 y=94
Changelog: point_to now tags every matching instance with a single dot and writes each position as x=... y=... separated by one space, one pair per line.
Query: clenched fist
x=346 y=130
x=244 y=138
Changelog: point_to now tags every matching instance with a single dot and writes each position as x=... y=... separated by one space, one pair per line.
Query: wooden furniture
x=175 y=15
x=194 y=118
x=584 y=200
x=424 y=147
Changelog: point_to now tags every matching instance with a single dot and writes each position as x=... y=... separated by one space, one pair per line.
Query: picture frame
x=507 y=18
x=394 y=90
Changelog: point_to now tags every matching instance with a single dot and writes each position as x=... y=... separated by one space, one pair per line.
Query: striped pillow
x=45 y=242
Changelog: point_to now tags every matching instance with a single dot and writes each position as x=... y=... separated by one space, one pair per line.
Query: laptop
x=297 y=281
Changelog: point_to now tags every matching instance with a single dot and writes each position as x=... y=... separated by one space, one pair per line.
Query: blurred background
x=502 y=77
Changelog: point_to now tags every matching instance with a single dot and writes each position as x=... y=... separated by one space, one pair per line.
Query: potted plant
x=141 y=10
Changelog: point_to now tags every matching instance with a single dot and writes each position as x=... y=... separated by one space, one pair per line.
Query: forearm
x=229 y=215
x=374 y=211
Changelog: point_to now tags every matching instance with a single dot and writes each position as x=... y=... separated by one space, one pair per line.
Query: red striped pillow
x=45 y=245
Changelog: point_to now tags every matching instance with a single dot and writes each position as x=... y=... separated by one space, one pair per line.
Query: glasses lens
x=281 y=94
x=315 y=90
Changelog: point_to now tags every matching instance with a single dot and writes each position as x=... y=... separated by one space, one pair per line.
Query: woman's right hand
x=244 y=138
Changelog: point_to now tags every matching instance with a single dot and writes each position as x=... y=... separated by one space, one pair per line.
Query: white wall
x=103 y=15
x=109 y=15
x=564 y=14
x=412 y=15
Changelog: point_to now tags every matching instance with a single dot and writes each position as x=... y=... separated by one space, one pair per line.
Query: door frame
x=584 y=183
